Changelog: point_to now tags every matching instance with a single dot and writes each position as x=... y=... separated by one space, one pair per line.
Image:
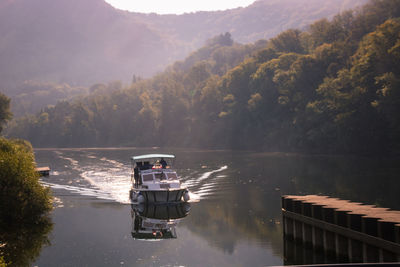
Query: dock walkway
x=43 y=171
x=358 y=231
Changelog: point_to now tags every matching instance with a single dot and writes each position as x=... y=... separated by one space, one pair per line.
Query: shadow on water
x=296 y=253
x=366 y=180
x=157 y=222
x=22 y=244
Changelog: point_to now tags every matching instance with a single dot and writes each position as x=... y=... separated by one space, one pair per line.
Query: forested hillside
x=30 y=96
x=86 y=42
x=261 y=20
x=331 y=89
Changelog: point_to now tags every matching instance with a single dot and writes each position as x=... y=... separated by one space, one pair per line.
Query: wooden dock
x=43 y=171
x=359 y=232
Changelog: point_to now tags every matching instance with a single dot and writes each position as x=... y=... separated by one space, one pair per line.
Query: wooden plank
x=42 y=169
x=368 y=211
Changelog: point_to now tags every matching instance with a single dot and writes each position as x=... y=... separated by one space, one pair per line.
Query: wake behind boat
x=154 y=180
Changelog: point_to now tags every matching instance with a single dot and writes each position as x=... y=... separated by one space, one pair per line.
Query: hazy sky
x=177 y=6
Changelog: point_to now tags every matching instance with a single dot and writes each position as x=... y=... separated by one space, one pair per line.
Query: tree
x=5 y=113
x=222 y=40
x=22 y=199
x=288 y=41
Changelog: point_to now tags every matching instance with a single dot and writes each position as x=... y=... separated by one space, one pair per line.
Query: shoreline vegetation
x=24 y=203
x=196 y=149
x=23 y=200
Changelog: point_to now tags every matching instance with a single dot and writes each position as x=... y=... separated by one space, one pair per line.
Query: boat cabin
x=153 y=169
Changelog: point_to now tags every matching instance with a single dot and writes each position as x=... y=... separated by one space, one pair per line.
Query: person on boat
x=147 y=165
x=163 y=163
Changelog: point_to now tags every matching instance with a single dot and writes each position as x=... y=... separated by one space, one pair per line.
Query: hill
x=333 y=88
x=77 y=42
x=261 y=20
x=85 y=42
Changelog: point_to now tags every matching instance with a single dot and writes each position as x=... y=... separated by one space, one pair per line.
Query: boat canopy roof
x=150 y=156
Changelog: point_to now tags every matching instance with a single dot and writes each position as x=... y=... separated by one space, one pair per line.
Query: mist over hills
x=261 y=20
x=74 y=41
x=85 y=42
x=332 y=88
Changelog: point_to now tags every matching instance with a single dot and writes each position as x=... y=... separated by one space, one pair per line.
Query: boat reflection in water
x=157 y=222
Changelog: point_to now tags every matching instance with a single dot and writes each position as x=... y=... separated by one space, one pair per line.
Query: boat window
x=172 y=175
x=147 y=177
x=160 y=176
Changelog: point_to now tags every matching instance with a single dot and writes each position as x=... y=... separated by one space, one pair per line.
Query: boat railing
x=157 y=171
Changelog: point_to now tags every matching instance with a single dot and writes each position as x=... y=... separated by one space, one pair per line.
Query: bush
x=22 y=199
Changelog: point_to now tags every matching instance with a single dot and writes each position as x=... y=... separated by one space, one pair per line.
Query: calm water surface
x=235 y=220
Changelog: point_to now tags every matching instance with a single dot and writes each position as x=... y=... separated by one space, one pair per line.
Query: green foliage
x=79 y=46
x=22 y=199
x=222 y=40
x=30 y=96
x=24 y=205
x=5 y=113
x=331 y=89
x=288 y=41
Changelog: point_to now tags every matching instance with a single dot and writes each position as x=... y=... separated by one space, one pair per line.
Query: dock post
x=289 y=228
x=307 y=229
x=357 y=251
x=370 y=225
x=355 y=222
x=387 y=230
x=397 y=238
x=298 y=230
x=318 y=234
x=329 y=237
x=298 y=226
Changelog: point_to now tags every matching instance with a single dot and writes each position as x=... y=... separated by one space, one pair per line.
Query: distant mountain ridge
x=73 y=41
x=261 y=20
x=84 y=42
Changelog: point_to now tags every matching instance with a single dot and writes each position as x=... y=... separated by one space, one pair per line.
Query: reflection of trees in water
x=225 y=224
x=250 y=206
x=366 y=180
x=22 y=244
x=363 y=179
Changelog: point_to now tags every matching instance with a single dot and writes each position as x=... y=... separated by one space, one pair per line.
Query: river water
x=233 y=220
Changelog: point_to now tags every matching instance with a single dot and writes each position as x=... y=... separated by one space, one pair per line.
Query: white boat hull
x=159 y=196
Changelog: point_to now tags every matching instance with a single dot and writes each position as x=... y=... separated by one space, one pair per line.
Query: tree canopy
x=5 y=113
x=333 y=88
x=22 y=200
